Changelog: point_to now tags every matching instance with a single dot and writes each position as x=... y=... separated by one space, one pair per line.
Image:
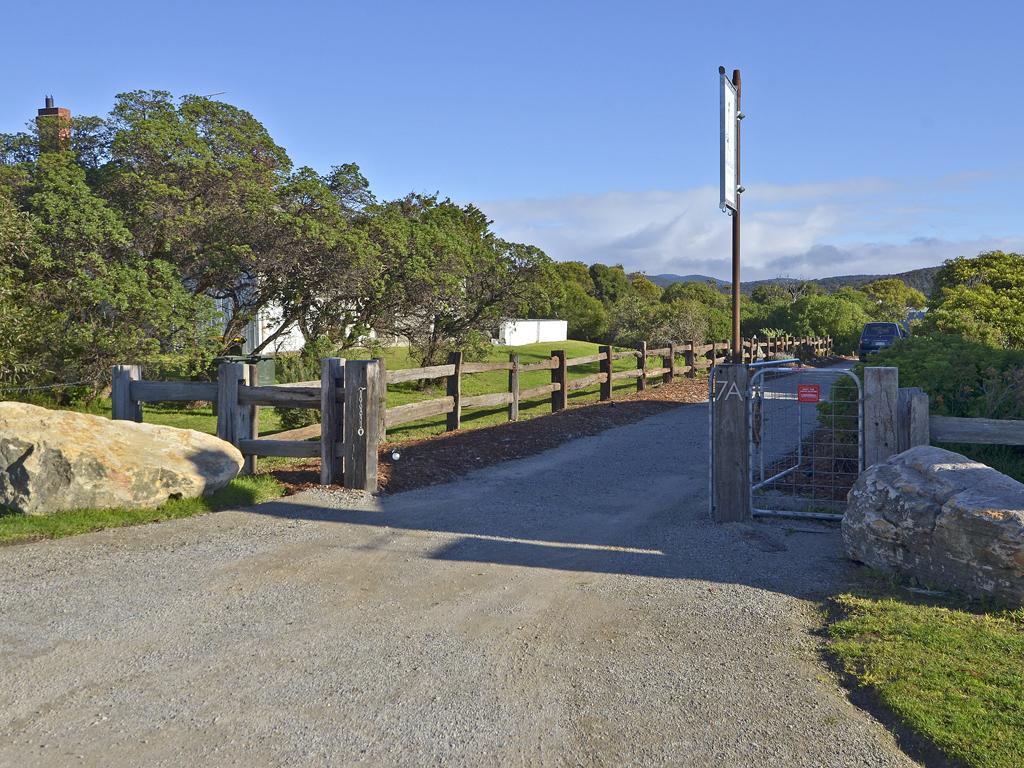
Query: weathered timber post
x=122 y=406
x=560 y=376
x=641 y=380
x=513 y=386
x=913 y=429
x=669 y=361
x=361 y=427
x=454 y=419
x=332 y=388
x=714 y=354
x=245 y=420
x=251 y=462
x=690 y=360
x=229 y=377
x=880 y=414
x=382 y=405
x=730 y=470
x=606 y=369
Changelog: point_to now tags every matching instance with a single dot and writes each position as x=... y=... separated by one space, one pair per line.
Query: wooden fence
x=675 y=360
x=897 y=418
x=352 y=397
x=349 y=395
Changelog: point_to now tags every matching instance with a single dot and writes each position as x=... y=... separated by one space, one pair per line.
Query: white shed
x=514 y=333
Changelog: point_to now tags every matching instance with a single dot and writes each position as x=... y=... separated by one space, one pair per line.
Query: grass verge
x=240 y=492
x=954 y=676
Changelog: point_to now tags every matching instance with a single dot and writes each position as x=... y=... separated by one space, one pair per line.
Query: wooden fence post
x=229 y=377
x=361 y=428
x=382 y=405
x=912 y=406
x=513 y=386
x=880 y=414
x=641 y=380
x=332 y=382
x=669 y=361
x=560 y=376
x=606 y=369
x=730 y=490
x=246 y=424
x=454 y=419
x=122 y=406
x=690 y=360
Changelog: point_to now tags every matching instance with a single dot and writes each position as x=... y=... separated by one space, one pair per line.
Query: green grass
x=954 y=676
x=241 y=492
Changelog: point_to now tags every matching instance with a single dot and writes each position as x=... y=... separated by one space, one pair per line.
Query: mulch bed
x=438 y=459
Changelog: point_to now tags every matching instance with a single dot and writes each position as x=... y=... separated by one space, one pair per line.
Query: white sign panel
x=728 y=144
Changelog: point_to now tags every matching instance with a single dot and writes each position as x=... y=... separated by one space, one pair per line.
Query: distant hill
x=921 y=279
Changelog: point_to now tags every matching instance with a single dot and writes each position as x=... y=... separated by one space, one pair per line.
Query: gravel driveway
x=573 y=608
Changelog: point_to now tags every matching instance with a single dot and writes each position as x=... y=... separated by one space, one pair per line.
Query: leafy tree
x=197 y=183
x=610 y=283
x=454 y=279
x=631 y=320
x=833 y=315
x=893 y=298
x=95 y=301
x=682 y=320
x=770 y=294
x=587 y=317
x=980 y=299
x=708 y=294
x=644 y=288
x=576 y=272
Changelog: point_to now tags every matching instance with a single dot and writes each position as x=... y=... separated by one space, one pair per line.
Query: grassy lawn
x=954 y=676
x=241 y=492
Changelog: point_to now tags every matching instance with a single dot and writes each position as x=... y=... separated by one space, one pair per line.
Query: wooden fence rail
x=676 y=360
x=915 y=426
x=348 y=397
x=352 y=397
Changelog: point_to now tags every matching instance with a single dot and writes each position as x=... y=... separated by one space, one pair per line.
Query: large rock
x=56 y=460
x=943 y=519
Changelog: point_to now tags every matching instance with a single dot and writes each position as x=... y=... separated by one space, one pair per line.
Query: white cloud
x=806 y=230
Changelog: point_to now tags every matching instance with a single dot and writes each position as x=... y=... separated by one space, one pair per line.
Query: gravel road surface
x=573 y=608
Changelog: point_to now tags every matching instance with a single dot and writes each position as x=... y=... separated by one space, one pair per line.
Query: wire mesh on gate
x=806 y=427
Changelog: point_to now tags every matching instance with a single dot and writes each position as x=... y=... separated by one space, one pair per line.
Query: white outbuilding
x=514 y=333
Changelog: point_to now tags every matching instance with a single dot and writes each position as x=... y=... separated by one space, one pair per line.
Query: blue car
x=876 y=336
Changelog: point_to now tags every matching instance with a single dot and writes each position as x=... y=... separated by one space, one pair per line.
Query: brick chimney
x=54 y=124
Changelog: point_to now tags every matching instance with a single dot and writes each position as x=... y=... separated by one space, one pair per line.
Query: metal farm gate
x=806 y=440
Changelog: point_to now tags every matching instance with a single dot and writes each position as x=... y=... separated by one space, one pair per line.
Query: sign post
x=731 y=188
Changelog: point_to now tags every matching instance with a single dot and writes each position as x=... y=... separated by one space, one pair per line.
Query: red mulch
x=440 y=458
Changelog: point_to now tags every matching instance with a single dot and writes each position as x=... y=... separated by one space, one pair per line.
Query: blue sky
x=880 y=136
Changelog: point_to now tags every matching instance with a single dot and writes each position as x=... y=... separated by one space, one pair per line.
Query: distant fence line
x=352 y=397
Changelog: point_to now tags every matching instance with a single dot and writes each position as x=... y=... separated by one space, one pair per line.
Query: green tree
x=980 y=299
x=644 y=288
x=197 y=183
x=833 y=315
x=94 y=302
x=892 y=298
x=631 y=320
x=610 y=283
x=454 y=280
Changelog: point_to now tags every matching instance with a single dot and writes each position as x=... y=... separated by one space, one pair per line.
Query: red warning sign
x=808 y=393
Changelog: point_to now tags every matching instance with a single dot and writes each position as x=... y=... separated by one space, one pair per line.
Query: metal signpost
x=731 y=188
x=729 y=384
